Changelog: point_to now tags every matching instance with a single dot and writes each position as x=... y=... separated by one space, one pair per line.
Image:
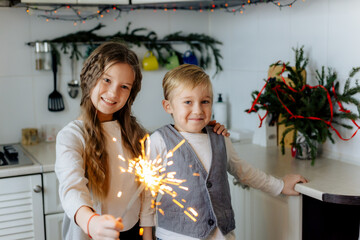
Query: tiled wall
x=328 y=29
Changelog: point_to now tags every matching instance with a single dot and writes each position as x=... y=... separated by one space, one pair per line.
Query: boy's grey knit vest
x=208 y=193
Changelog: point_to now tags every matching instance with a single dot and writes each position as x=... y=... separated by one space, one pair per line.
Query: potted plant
x=312 y=113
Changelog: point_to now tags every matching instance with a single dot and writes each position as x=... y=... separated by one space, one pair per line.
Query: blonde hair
x=185 y=75
x=95 y=156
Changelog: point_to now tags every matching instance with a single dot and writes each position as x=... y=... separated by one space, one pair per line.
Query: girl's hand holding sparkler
x=105 y=227
x=98 y=227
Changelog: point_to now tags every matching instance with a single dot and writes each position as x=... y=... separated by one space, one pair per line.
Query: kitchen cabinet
x=103 y=2
x=49 y=1
x=52 y=207
x=259 y=215
x=53 y=223
x=90 y=2
x=21 y=208
x=164 y=1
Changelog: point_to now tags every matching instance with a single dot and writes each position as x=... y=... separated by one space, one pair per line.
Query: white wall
x=328 y=29
x=24 y=91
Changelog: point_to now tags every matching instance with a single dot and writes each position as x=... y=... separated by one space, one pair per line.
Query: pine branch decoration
x=306 y=109
x=206 y=46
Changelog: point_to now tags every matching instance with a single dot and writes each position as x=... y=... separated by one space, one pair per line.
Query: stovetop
x=12 y=155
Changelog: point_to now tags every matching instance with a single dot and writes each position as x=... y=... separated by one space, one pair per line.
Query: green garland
x=311 y=102
x=205 y=45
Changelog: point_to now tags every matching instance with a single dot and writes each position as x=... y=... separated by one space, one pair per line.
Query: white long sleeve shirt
x=247 y=174
x=73 y=189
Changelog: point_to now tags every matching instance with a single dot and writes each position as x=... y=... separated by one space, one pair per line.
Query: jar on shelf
x=42 y=56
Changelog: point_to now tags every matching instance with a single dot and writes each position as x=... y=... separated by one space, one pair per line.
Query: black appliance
x=12 y=155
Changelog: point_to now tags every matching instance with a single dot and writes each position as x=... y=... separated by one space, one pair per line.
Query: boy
x=203 y=161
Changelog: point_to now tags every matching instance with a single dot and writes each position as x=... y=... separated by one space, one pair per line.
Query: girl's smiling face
x=190 y=108
x=112 y=90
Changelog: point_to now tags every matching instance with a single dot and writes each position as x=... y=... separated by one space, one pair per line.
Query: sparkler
x=149 y=173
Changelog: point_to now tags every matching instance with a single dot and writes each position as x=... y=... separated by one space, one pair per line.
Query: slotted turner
x=55 y=100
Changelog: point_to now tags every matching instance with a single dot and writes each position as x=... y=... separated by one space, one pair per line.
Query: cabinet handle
x=37 y=189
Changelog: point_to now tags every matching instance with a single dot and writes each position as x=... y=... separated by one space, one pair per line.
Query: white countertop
x=44 y=153
x=326 y=178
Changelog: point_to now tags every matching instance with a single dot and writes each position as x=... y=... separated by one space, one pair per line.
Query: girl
x=87 y=163
x=92 y=189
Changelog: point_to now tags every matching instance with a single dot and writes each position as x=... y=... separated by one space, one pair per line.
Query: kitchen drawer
x=52 y=202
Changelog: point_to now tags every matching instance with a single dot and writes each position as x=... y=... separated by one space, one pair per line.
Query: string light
x=229 y=6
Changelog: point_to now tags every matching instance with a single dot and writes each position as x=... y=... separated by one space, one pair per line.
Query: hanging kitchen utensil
x=55 y=100
x=73 y=85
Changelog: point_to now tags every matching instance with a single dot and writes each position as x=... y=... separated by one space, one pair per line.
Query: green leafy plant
x=314 y=111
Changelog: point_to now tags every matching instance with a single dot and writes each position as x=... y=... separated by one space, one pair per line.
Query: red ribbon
x=329 y=123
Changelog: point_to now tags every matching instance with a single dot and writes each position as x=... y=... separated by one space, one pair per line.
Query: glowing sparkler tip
x=119 y=194
x=114 y=139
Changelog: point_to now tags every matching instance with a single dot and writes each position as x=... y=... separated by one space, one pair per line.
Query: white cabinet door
x=50 y=1
x=275 y=218
x=52 y=202
x=259 y=215
x=104 y=2
x=163 y=1
x=21 y=208
x=53 y=223
x=238 y=202
x=269 y=216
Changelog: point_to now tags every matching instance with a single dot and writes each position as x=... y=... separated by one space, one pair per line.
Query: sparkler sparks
x=150 y=174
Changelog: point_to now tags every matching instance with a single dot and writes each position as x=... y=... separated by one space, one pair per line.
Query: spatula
x=55 y=100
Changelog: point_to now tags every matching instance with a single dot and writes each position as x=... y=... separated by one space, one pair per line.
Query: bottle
x=220 y=111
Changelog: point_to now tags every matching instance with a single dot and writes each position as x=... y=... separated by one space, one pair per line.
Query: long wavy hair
x=95 y=155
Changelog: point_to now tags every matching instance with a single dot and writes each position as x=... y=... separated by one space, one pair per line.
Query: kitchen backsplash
x=251 y=41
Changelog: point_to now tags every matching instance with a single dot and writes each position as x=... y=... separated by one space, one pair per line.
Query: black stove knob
x=11 y=152
x=2 y=159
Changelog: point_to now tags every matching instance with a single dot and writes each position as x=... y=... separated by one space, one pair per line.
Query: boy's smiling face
x=190 y=108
